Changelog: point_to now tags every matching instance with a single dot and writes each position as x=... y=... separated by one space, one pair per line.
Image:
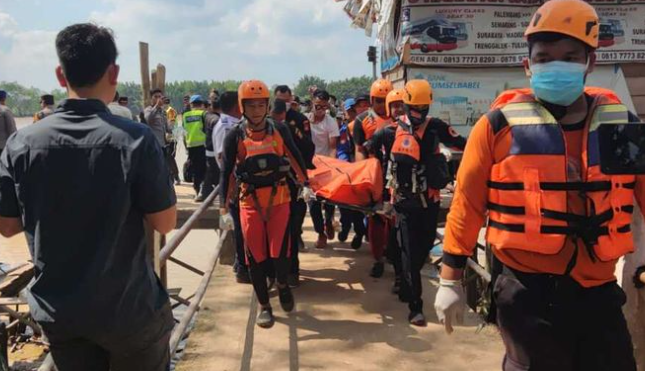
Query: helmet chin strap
x=256 y=123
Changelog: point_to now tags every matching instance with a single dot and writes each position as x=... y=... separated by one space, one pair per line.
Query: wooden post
x=161 y=77
x=153 y=80
x=145 y=73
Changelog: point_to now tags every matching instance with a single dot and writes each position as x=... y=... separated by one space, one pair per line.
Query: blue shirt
x=344 y=147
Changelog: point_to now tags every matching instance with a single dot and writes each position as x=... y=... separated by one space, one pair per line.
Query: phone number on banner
x=620 y=56
x=467 y=59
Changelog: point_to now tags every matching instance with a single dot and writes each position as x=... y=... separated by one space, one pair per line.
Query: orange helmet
x=417 y=93
x=574 y=18
x=380 y=88
x=395 y=95
x=252 y=89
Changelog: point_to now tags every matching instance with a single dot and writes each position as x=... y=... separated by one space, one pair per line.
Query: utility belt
x=251 y=190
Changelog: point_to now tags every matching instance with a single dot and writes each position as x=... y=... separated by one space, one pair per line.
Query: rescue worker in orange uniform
x=260 y=155
x=416 y=172
x=379 y=146
x=365 y=125
x=556 y=224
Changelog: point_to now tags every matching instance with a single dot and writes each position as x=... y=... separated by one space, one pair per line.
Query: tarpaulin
x=352 y=183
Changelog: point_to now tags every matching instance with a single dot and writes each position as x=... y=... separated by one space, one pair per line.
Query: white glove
x=307 y=194
x=447 y=153
x=226 y=222
x=450 y=303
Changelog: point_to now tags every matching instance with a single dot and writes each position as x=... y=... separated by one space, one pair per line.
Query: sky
x=277 y=41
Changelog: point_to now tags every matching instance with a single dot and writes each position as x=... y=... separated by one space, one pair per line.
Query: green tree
x=350 y=88
x=25 y=101
x=302 y=87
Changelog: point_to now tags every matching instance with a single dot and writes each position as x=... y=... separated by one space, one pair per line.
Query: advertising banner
x=462 y=96
x=491 y=32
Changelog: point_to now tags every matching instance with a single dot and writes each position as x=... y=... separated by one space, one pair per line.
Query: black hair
x=216 y=104
x=155 y=91
x=166 y=100
x=321 y=94
x=85 y=52
x=116 y=97
x=331 y=96
x=48 y=99
x=123 y=99
x=282 y=89
x=553 y=37
x=228 y=101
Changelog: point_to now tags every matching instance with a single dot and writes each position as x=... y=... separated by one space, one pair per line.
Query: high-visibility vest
x=528 y=187
x=194 y=126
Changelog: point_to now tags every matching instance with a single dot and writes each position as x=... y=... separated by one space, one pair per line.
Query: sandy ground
x=344 y=320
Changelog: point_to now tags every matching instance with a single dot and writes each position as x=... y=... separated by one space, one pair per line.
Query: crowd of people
x=83 y=182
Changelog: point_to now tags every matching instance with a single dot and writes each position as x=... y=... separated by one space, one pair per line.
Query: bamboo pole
x=161 y=77
x=145 y=73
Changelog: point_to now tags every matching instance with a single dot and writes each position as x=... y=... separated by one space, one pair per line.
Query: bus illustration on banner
x=434 y=35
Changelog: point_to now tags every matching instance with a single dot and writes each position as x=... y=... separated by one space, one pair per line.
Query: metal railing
x=165 y=254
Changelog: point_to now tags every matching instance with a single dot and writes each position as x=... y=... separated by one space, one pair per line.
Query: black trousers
x=349 y=218
x=211 y=178
x=170 y=151
x=147 y=349
x=416 y=230
x=297 y=218
x=552 y=323
x=197 y=157
x=240 y=260
x=315 y=210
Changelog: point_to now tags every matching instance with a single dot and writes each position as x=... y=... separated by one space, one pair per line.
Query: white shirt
x=322 y=132
x=119 y=110
x=224 y=125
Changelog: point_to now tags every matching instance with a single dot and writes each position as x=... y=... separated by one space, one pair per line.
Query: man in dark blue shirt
x=82 y=184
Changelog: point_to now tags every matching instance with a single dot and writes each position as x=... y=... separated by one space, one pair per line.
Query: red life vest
x=528 y=187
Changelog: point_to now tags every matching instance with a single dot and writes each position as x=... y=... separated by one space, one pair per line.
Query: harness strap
x=561 y=186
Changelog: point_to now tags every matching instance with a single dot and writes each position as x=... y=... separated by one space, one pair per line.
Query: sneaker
x=242 y=276
x=396 y=287
x=357 y=241
x=177 y=182
x=342 y=235
x=199 y=198
x=265 y=318
x=377 y=270
x=293 y=280
x=417 y=319
x=322 y=241
x=329 y=230
x=286 y=299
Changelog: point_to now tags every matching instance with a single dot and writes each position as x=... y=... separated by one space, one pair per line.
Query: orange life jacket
x=262 y=168
x=372 y=123
x=528 y=187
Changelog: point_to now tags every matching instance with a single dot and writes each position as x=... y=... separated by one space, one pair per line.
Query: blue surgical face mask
x=560 y=83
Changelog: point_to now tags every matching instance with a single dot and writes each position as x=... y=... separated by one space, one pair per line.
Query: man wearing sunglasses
x=324 y=133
